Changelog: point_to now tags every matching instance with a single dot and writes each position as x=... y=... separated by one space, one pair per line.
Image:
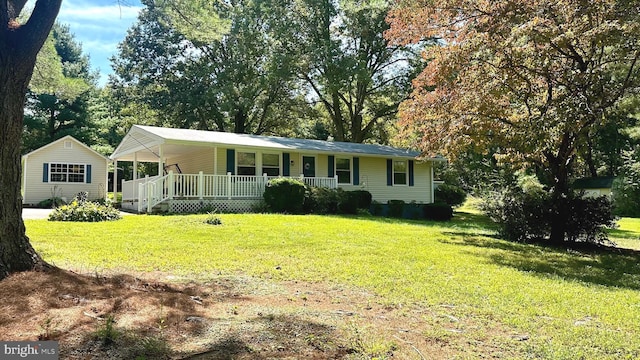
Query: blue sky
x=100 y=25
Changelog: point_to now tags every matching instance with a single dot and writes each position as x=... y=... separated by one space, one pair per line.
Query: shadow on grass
x=125 y=317
x=603 y=266
x=282 y=336
x=460 y=221
x=623 y=234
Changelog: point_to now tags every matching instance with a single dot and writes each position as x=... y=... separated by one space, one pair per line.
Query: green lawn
x=568 y=305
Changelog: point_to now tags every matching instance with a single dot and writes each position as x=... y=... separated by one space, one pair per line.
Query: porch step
x=163 y=207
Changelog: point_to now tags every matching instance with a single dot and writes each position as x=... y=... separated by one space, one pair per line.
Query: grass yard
x=468 y=294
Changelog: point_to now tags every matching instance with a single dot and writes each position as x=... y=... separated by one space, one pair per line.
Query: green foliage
x=107 y=333
x=213 y=219
x=320 y=200
x=239 y=81
x=84 y=211
x=285 y=195
x=450 y=194
x=51 y=203
x=396 y=208
x=364 y=198
x=626 y=189
x=437 y=211
x=526 y=216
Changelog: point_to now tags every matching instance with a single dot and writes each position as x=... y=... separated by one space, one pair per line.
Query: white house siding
x=373 y=178
x=35 y=190
x=372 y=171
x=201 y=159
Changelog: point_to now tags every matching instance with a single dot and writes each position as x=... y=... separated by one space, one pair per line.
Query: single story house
x=229 y=171
x=595 y=186
x=63 y=169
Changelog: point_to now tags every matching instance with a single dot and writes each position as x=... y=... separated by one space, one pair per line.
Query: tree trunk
x=19 y=47
x=560 y=167
x=16 y=253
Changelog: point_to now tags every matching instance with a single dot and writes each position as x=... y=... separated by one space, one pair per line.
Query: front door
x=309 y=166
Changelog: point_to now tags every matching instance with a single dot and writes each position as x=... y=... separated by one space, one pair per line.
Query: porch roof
x=145 y=140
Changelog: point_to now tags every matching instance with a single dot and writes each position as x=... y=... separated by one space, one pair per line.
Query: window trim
x=262 y=166
x=335 y=168
x=394 y=172
x=238 y=165
x=51 y=172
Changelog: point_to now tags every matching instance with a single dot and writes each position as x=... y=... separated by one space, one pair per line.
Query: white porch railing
x=130 y=188
x=151 y=191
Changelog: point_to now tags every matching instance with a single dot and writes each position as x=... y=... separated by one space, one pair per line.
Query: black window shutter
x=231 y=161
x=356 y=171
x=389 y=172
x=286 y=160
x=331 y=166
x=411 y=183
x=45 y=172
x=88 y=174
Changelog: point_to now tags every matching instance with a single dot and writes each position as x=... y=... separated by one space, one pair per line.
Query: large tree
x=531 y=78
x=231 y=83
x=349 y=67
x=59 y=93
x=19 y=47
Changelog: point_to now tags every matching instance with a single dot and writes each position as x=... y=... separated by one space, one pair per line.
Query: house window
x=271 y=164
x=343 y=171
x=69 y=173
x=246 y=163
x=400 y=172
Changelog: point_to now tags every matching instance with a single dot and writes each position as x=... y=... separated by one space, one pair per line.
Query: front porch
x=192 y=192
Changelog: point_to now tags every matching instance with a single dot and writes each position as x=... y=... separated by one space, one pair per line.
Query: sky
x=99 y=25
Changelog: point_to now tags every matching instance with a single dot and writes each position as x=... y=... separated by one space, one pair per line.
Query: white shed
x=63 y=169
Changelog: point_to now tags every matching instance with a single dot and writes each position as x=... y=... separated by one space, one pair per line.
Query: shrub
x=437 y=211
x=396 y=208
x=525 y=216
x=363 y=198
x=285 y=195
x=348 y=202
x=450 y=194
x=51 y=203
x=85 y=211
x=322 y=201
x=376 y=208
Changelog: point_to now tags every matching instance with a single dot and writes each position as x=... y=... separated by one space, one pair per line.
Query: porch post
x=229 y=185
x=135 y=166
x=215 y=160
x=149 y=197
x=335 y=177
x=115 y=181
x=170 y=184
x=140 y=196
x=161 y=161
x=201 y=185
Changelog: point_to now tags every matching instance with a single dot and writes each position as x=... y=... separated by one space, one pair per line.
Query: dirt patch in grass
x=157 y=316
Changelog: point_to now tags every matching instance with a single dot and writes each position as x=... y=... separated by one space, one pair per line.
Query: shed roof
x=147 y=137
x=600 y=182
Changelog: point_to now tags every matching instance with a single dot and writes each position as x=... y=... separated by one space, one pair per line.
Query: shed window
x=343 y=170
x=246 y=163
x=271 y=164
x=400 y=172
x=69 y=173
